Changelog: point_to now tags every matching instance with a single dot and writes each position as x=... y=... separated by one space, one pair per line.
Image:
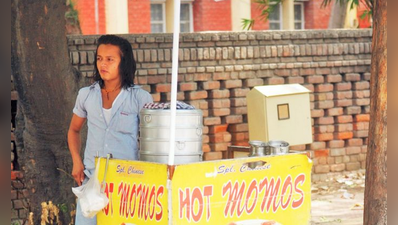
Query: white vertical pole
x=174 y=79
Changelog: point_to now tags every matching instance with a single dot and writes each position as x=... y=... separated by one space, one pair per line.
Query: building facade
x=156 y=16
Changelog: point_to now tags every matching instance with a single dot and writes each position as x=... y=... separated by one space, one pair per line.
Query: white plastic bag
x=90 y=196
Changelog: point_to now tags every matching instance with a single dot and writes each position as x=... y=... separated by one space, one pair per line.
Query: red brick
x=218 y=128
x=210 y=85
x=353 y=110
x=362 y=101
x=337 y=167
x=324 y=120
x=362 y=94
x=219 y=94
x=364 y=149
x=353 y=150
x=361 y=85
x=207 y=156
x=219 y=103
x=239 y=92
x=295 y=80
x=239 y=110
x=163 y=88
x=194 y=95
x=342 y=86
x=352 y=77
x=180 y=96
x=321 y=153
x=201 y=77
x=323 y=137
x=361 y=133
x=324 y=129
x=231 y=84
x=156 y=97
x=353 y=166
x=343 y=127
x=337 y=152
x=298 y=147
x=274 y=80
x=253 y=82
x=192 y=86
x=236 y=102
x=361 y=126
x=233 y=119
x=156 y=79
x=309 y=87
x=343 y=95
x=334 y=78
x=241 y=143
x=211 y=121
x=355 y=142
x=343 y=135
x=220 y=137
x=205 y=139
x=242 y=127
x=317 y=113
x=344 y=119
x=238 y=136
x=220 y=112
x=316 y=145
x=322 y=169
x=336 y=144
x=323 y=87
x=315 y=79
x=343 y=102
x=221 y=76
x=324 y=104
x=219 y=146
x=334 y=112
x=324 y=96
x=206 y=148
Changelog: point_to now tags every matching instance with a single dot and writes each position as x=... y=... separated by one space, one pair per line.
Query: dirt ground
x=339 y=200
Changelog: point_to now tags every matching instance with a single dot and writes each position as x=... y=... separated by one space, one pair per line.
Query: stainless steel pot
x=278 y=147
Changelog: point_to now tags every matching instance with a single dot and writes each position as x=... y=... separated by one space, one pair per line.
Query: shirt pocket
x=127 y=122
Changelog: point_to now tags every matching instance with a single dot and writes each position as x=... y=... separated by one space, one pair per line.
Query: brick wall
x=211 y=15
x=139 y=16
x=218 y=69
x=86 y=11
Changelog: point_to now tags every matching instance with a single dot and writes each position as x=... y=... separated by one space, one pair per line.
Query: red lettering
x=271 y=192
x=287 y=183
x=299 y=180
x=133 y=194
x=184 y=203
x=234 y=198
x=197 y=195
x=158 y=203
x=252 y=187
x=151 y=198
x=207 y=192
x=123 y=191
x=108 y=191
x=142 y=213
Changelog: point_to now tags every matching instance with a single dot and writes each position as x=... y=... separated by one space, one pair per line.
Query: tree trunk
x=338 y=14
x=47 y=87
x=376 y=159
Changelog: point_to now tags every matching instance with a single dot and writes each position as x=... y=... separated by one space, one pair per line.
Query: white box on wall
x=280 y=112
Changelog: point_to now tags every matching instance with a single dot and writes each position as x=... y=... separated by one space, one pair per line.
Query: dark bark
x=46 y=86
x=376 y=159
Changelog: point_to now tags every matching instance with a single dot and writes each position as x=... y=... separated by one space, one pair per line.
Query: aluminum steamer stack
x=155 y=133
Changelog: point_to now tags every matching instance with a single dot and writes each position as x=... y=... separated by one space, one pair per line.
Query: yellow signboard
x=262 y=190
x=259 y=191
x=137 y=193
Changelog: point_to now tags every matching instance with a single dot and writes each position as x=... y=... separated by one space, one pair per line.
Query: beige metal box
x=280 y=112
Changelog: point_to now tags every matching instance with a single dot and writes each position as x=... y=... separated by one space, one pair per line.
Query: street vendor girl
x=111 y=106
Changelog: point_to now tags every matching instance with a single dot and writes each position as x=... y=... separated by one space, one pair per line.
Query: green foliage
x=266 y=7
x=71 y=14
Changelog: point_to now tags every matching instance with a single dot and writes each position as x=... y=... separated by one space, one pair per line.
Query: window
x=158 y=21
x=275 y=17
x=186 y=17
x=298 y=16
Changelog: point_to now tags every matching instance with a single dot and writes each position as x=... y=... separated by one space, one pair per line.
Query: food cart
x=277 y=190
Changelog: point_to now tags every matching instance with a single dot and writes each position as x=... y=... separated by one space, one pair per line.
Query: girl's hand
x=77 y=172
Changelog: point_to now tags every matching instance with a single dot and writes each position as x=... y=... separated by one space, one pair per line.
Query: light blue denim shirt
x=120 y=137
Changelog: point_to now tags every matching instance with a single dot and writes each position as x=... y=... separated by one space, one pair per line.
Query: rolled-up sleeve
x=79 y=108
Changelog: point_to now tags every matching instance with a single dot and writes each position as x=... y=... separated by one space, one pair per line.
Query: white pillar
x=288 y=14
x=116 y=13
x=240 y=9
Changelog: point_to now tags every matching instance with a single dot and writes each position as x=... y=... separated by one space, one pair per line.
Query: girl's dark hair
x=127 y=66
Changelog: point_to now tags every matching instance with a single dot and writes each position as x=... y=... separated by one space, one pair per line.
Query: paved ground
x=339 y=200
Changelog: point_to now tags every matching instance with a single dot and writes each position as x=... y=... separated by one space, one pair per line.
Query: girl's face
x=108 y=60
